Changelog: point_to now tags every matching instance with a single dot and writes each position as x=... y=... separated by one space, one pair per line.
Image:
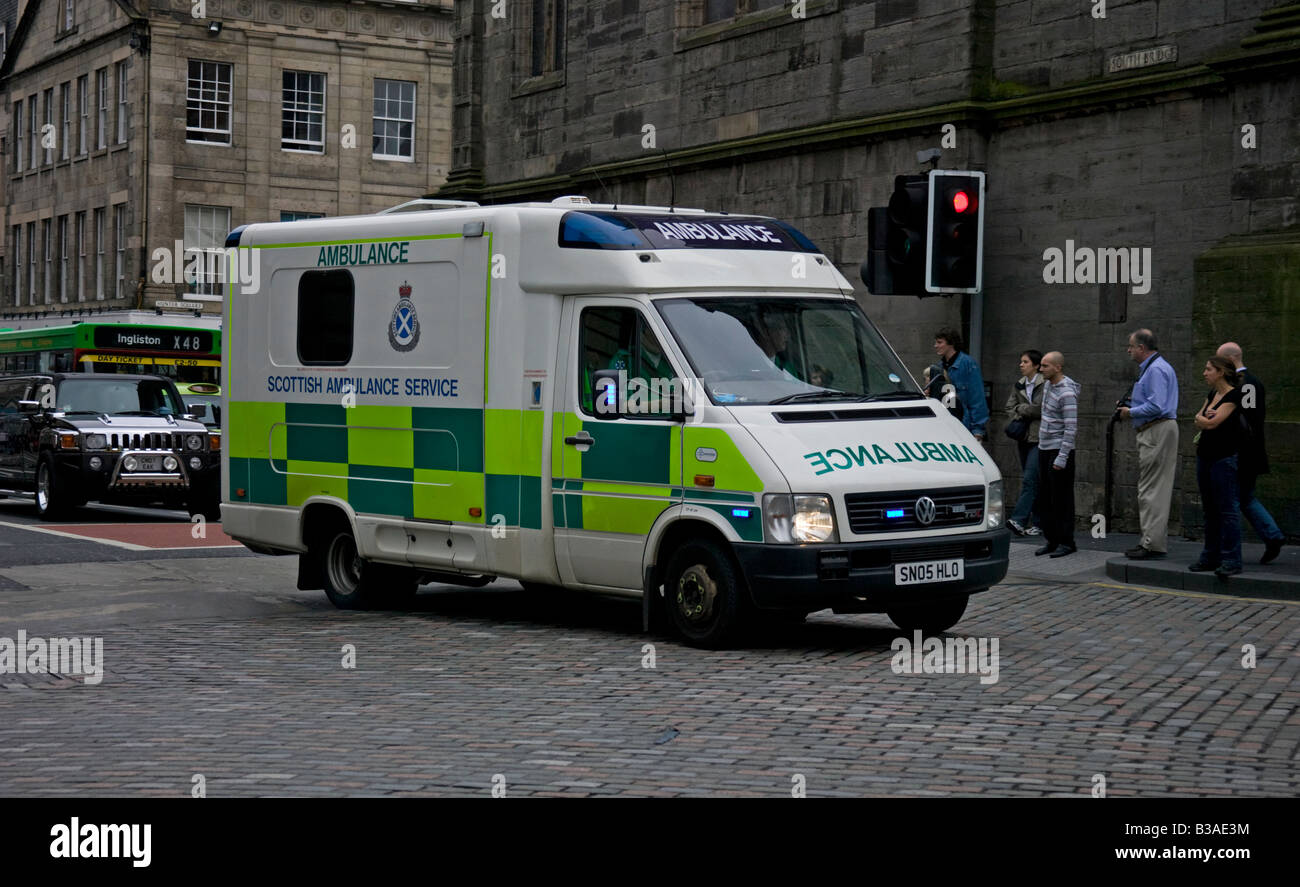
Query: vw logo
x=925 y=510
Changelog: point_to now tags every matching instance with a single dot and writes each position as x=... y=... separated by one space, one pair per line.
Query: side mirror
x=607 y=401
x=198 y=410
x=29 y=406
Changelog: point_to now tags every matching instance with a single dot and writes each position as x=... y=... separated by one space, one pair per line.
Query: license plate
x=149 y=463
x=921 y=572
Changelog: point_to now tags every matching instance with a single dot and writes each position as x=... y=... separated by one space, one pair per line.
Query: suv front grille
x=153 y=441
x=954 y=507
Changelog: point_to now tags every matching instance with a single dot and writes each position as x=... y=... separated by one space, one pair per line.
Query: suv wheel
x=52 y=502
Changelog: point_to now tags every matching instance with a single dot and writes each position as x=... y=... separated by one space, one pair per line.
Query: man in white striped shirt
x=1060 y=423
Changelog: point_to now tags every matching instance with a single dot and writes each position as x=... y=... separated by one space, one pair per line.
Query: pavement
x=1099 y=560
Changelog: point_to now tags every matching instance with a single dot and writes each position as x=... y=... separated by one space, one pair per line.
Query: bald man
x=1056 y=433
x=1252 y=461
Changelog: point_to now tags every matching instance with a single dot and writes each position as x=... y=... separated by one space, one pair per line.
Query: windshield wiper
x=136 y=413
x=892 y=395
x=817 y=395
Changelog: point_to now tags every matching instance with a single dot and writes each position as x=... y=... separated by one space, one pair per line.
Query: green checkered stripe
x=430 y=463
x=632 y=473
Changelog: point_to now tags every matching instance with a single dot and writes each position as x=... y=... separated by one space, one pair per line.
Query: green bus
x=184 y=354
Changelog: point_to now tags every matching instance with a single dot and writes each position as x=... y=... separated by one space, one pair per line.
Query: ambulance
x=679 y=406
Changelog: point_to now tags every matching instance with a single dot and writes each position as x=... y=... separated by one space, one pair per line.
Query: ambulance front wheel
x=930 y=618
x=354 y=583
x=703 y=594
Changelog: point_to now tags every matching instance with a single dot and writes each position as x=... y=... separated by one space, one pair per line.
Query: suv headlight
x=995 y=504
x=194 y=442
x=799 y=518
x=96 y=441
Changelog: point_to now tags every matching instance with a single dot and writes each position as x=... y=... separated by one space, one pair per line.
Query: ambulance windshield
x=785 y=350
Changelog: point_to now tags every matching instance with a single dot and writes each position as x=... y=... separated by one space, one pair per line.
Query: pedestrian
x=1217 y=445
x=1025 y=406
x=1252 y=460
x=968 y=385
x=1056 y=434
x=1153 y=408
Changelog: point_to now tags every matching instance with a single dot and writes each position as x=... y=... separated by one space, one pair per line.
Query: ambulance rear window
x=325 y=313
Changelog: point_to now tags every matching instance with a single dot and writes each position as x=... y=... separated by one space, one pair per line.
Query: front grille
x=152 y=441
x=876 y=558
x=954 y=507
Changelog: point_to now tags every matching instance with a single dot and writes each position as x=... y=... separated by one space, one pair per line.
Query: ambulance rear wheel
x=703 y=593
x=354 y=583
x=929 y=618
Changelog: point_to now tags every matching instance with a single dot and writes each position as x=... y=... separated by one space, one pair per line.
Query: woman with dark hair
x=1217 y=446
x=1026 y=404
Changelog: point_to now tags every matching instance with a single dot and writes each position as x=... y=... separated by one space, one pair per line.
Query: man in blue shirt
x=1153 y=412
x=967 y=382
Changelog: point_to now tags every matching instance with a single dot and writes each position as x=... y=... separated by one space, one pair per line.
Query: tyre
x=929 y=618
x=704 y=594
x=354 y=583
x=52 y=500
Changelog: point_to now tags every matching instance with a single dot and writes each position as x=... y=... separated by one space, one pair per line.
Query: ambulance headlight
x=798 y=518
x=995 y=504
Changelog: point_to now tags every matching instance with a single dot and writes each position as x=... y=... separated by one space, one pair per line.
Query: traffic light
x=905 y=242
x=954 y=256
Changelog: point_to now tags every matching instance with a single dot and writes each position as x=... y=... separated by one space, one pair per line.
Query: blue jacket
x=966 y=378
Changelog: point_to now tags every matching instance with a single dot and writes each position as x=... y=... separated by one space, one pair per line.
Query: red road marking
x=169 y=535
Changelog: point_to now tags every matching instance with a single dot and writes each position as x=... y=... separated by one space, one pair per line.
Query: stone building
x=1163 y=125
x=133 y=127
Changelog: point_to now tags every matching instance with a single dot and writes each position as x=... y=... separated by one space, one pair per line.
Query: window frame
x=214 y=106
x=48 y=155
x=99 y=253
x=376 y=118
x=20 y=141
x=119 y=250
x=300 y=115
x=101 y=118
x=63 y=259
x=65 y=132
x=644 y=325
x=204 y=289
x=80 y=231
x=83 y=106
x=123 y=108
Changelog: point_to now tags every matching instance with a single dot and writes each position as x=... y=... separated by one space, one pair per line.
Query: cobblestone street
x=1145 y=688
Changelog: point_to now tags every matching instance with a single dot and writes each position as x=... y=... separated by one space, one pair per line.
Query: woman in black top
x=1217 y=446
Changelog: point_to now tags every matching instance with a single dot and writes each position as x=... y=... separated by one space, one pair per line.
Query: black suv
x=68 y=438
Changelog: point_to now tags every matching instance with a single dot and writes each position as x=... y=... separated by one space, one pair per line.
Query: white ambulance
x=668 y=404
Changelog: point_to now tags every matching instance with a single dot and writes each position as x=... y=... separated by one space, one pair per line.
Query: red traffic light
x=960 y=201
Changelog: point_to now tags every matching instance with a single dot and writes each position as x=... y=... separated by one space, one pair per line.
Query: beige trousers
x=1157 y=464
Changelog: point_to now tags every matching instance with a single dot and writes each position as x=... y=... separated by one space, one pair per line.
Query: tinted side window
x=325 y=315
x=12 y=391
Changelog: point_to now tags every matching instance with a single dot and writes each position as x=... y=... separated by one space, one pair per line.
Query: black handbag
x=1017 y=429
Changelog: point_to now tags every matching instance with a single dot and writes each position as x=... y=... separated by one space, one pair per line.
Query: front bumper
x=111 y=481
x=858 y=577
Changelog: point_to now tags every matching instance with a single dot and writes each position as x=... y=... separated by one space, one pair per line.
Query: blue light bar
x=894 y=512
x=740 y=512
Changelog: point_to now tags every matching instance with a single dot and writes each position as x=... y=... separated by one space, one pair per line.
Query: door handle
x=582 y=437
